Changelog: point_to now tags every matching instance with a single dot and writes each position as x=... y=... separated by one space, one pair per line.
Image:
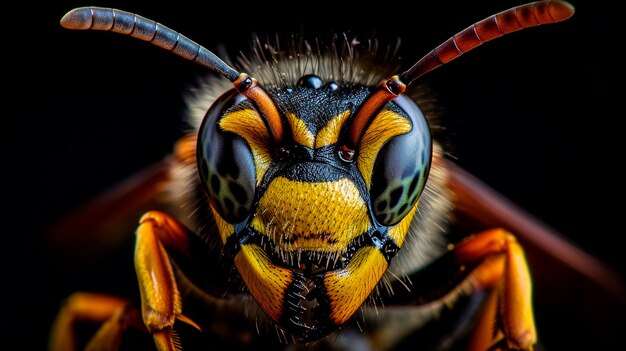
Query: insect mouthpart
x=310 y=293
x=308 y=308
x=312 y=263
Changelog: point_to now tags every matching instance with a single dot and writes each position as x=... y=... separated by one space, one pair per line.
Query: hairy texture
x=342 y=59
x=279 y=63
x=349 y=63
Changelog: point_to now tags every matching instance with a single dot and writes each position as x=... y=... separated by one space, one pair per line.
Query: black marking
x=414 y=182
x=312 y=172
x=215 y=184
x=385 y=219
x=295 y=153
x=296 y=260
x=238 y=192
x=381 y=240
x=228 y=168
x=394 y=196
x=229 y=205
x=316 y=107
x=381 y=183
x=242 y=212
x=222 y=169
x=325 y=237
x=381 y=206
x=402 y=208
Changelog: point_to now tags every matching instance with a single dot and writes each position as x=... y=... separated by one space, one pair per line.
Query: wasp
x=310 y=205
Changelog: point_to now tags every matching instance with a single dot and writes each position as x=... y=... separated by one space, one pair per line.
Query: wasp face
x=312 y=228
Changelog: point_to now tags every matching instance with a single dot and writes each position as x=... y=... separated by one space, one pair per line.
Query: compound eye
x=401 y=168
x=225 y=163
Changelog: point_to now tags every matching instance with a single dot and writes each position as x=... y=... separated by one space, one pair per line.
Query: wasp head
x=312 y=220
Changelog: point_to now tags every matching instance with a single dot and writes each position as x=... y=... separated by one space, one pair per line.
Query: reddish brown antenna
x=505 y=22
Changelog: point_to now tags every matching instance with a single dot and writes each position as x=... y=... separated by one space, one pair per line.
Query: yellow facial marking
x=311 y=216
x=249 y=125
x=399 y=231
x=348 y=288
x=266 y=281
x=385 y=126
x=330 y=133
x=301 y=133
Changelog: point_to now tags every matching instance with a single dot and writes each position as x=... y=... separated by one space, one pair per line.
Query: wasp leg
x=492 y=262
x=114 y=313
x=161 y=303
x=502 y=267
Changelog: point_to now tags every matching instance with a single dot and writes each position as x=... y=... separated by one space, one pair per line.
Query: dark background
x=529 y=114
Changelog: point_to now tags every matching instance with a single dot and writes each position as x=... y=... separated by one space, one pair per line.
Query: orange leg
x=502 y=267
x=161 y=304
x=115 y=315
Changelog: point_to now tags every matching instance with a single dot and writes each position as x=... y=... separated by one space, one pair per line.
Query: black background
x=530 y=114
